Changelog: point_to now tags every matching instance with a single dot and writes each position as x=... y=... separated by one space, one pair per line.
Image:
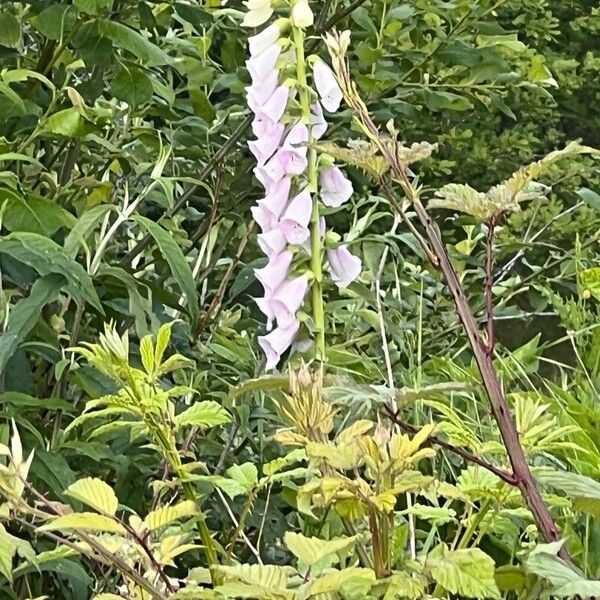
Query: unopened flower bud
x=302 y=15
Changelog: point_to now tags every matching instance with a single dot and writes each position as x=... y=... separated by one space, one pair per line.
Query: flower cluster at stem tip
x=288 y=116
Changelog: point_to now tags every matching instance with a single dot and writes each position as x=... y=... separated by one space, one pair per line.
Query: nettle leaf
x=95 y=493
x=258 y=581
x=583 y=491
x=468 y=572
x=311 y=550
x=406 y=585
x=46 y=257
x=84 y=521
x=165 y=515
x=207 y=413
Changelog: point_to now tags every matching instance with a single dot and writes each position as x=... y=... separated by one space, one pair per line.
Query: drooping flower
x=262 y=89
x=274 y=106
x=266 y=144
x=264 y=62
x=275 y=271
x=272 y=242
x=261 y=41
x=277 y=197
x=344 y=266
x=318 y=122
x=302 y=15
x=327 y=86
x=288 y=299
x=259 y=12
x=335 y=188
x=277 y=342
x=263 y=217
x=295 y=219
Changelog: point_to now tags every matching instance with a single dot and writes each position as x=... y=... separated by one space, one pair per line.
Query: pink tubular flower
x=274 y=107
x=266 y=144
x=327 y=86
x=275 y=271
x=277 y=196
x=261 y=41
x=335 y=187
x=263 y=217
x=264 y=62
x=295 y=220
x=272 y=242
x=318 y=123
x=277 y=342
x=343 y=266
x=288 y=299
x=262 y=89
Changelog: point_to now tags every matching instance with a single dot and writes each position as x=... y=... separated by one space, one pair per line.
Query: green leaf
x=8 y=550
x=311 y=550
x=25 y=314
x=165 y=515
x=84 y=521
x=591 y=198
x=22 y=401
x=467 y=572
x=33 y=214
x=207 y=413
x=46 y=257
x=246 y=475
x=67 y=122
x=92 y=7
x=583 y=491
x=174 y=256
x=84 y=226
x=10 y=30
x=134 y=42
x=54 y=21
x=353 y=582
x=132 y=86
x=95 y=493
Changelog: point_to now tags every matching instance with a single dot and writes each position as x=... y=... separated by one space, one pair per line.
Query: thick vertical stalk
x=316 y=258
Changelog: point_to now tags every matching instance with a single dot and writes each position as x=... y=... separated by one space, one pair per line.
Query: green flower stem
x=316 y=260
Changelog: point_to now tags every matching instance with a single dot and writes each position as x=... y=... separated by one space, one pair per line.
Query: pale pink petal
x=272 y=242
x=254 y=18
x=277 y=342
x=293 y=162
x=287 y=300
x=266 y=307
x=275 y=168
x=265 y=145
x=327 y=86
x=318 y=122
x=260 y=66
x=275 y=105
x=297 y=137
x=294 y=233
x=263 y=177
x=344 y=266
x=322 y=228
x=261 y=41
x=275 y=271
x=261 y=90
x=277 y=196
x=296 y=218
x=263 y=217
x=335 y=187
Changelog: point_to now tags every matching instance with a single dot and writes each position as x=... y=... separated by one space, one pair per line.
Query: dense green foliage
x=125 y=194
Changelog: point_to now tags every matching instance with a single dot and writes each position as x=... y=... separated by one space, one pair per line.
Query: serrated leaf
x=311 y=550
x=84 y=521
x=468 y=572
x=353 y=582
x=165 y=515
x=207 y=413
x=94 y=493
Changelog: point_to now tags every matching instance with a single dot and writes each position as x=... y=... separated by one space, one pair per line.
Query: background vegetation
x=125 y=194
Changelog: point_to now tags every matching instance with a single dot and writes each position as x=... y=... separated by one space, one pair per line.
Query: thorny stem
x=315 y=229
x=499 y=405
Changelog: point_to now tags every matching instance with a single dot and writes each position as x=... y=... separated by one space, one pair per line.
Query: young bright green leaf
x=165 y=515
x=95 y=493
x=311 y=550
x=468 y=572
x=352 y=583
x=84 y=521
x=207 y=413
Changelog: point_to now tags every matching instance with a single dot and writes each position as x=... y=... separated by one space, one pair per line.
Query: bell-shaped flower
x=277 y=197
x=295 y=219
x=287 y=300
x=259 y=12
x=297 y=137
x=317 y=121
x=343 y=266
x=262 y=124
x=262 y=89
x=291 y=157
x=322 y=229
x=265 y=145
x=302 y=15
x=272 y=242
x=261 y=65
x=261 y=41
x=327 y=86
x=335 y=188
x=274 y=107
x=263 y=217
x=275 y=271
x=277 y=342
